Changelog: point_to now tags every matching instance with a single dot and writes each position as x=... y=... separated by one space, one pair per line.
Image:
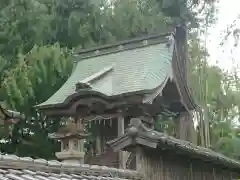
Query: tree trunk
x=185 y=128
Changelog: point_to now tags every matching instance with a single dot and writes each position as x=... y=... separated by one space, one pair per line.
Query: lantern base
x=71 y=156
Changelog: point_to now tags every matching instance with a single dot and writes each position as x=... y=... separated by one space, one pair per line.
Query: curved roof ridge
x=122 y=46
x=132 y=40
x=154 y=139
x=23 y=163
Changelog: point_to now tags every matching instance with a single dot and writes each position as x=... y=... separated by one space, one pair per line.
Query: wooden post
x=98 y=144
x=139 y=162
x=214 y=174
x=122 y=161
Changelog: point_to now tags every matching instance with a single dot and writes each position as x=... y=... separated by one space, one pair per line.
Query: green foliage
x=35 y=77
x=43 y=66
x=165 y=124
x=218 y=91
x=23 y=24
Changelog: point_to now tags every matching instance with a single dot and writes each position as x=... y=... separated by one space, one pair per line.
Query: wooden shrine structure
x=142 y=78
x=116 y=84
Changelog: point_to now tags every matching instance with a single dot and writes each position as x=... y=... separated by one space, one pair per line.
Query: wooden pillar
x=139 y=163
x=98 y=144
x=121 y=155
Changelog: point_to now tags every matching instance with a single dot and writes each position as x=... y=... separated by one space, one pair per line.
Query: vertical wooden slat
x=139 y=159
x=98 y=144
x=162 y=170
x=214 y=174
x=165 y=166
x=191 y=171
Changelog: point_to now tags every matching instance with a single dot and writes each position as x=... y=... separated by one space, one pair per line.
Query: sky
x=226 y=56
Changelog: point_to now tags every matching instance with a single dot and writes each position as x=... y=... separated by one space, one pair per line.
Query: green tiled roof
x=132 y=70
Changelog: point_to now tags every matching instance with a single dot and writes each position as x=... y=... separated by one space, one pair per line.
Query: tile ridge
x=125 y=42
x=20 y=163
x=122 y=46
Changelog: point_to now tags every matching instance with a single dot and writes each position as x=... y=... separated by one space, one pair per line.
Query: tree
x=222 y=97
x=36 y=77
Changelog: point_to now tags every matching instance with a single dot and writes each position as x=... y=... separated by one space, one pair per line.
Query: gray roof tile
x=16 y=168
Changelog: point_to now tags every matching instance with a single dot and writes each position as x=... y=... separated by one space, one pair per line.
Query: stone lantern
x=72 y=137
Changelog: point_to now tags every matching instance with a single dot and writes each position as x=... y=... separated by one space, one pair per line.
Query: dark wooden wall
x=101 y=154
x=169 y=166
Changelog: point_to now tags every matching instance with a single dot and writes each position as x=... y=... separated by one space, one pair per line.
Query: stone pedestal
x=71 y=156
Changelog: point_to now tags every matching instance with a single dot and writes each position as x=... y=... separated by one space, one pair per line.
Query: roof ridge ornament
x=97 y=52
x=80 y=85
x=170 y=43
x=145 y=42
x=120 y=47
x=136 y=126
x=85 y=83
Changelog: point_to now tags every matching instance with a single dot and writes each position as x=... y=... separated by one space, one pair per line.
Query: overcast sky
x=228 y=11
